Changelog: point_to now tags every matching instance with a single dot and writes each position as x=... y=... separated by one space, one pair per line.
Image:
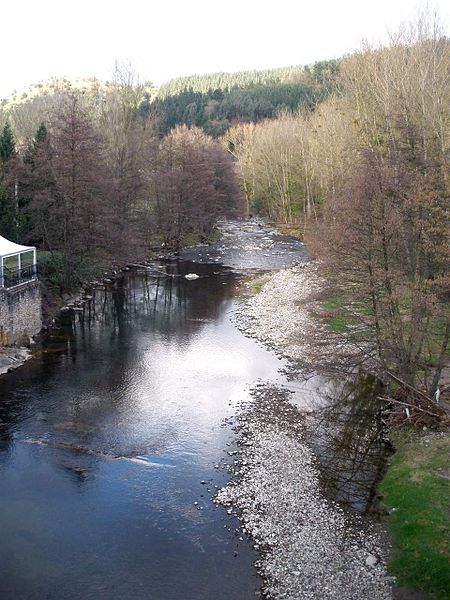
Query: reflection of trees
x=166 y=304
x=119 y=325
x=101 y=347
x=347 y=436
x=9 y=414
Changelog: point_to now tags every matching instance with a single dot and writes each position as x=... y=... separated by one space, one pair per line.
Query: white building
x=17 y=263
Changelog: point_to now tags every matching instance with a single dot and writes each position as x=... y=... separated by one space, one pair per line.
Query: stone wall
x=20 y=313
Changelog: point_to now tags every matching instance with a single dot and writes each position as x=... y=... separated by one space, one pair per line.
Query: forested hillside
x=216 y=101
x=227 y=81
x=87 y=179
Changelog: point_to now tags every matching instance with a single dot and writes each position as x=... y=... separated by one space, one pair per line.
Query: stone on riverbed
x=371 y=560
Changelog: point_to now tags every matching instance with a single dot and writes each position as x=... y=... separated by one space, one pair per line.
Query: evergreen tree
x=40 y=139
x=41 y=134
x=8 y=187
x=7 y=144
x=36 y=180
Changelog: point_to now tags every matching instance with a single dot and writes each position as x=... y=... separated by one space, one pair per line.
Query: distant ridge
x=226 y=81
x=59 y=84
x=216 y=101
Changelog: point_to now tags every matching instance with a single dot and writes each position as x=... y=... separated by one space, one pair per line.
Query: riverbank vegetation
x=416 y=491
x=96 y=186
x=365 y=177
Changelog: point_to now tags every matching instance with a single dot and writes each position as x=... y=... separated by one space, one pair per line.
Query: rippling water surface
x=105 y=445
x=108 y=433
x=113 y=438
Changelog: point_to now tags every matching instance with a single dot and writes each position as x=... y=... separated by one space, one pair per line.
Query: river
x=114 y=438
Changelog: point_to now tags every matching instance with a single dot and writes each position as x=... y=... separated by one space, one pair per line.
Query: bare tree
x=387 y=229
x=194 y=185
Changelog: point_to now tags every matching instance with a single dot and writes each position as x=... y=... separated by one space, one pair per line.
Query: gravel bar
x=278 y=314
x=310 y=548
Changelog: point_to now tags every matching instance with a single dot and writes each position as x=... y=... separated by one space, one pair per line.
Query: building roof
x=7 y=248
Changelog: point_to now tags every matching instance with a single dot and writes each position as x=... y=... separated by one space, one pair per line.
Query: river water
x=116 y=435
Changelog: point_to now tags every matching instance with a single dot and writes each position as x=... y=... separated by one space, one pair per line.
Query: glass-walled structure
x=17 y=263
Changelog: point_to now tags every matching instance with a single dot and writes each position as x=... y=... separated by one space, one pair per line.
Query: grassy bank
x=416 y=491
x=342 y=315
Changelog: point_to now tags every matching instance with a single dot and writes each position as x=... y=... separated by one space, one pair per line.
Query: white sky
x=162 y=40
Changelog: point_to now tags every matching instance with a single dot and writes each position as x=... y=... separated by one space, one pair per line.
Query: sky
x=162 y=40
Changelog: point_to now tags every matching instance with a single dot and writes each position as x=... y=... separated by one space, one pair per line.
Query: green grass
x=361 y=308
x=333 y=311
x=417 y=486
x=258 y=285
x=333 y=302
x=338 y=322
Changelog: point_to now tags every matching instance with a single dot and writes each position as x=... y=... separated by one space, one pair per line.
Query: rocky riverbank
x=310 y=547
x=279 y=314
x=12 y=358
x=283 y=315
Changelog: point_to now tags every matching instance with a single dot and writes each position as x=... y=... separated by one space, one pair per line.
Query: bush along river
x=153 y=450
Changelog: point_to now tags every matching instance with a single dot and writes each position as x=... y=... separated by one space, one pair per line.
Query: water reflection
x=106 y=437
x=170 y=300
x=346 y=432
x=105 y=443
